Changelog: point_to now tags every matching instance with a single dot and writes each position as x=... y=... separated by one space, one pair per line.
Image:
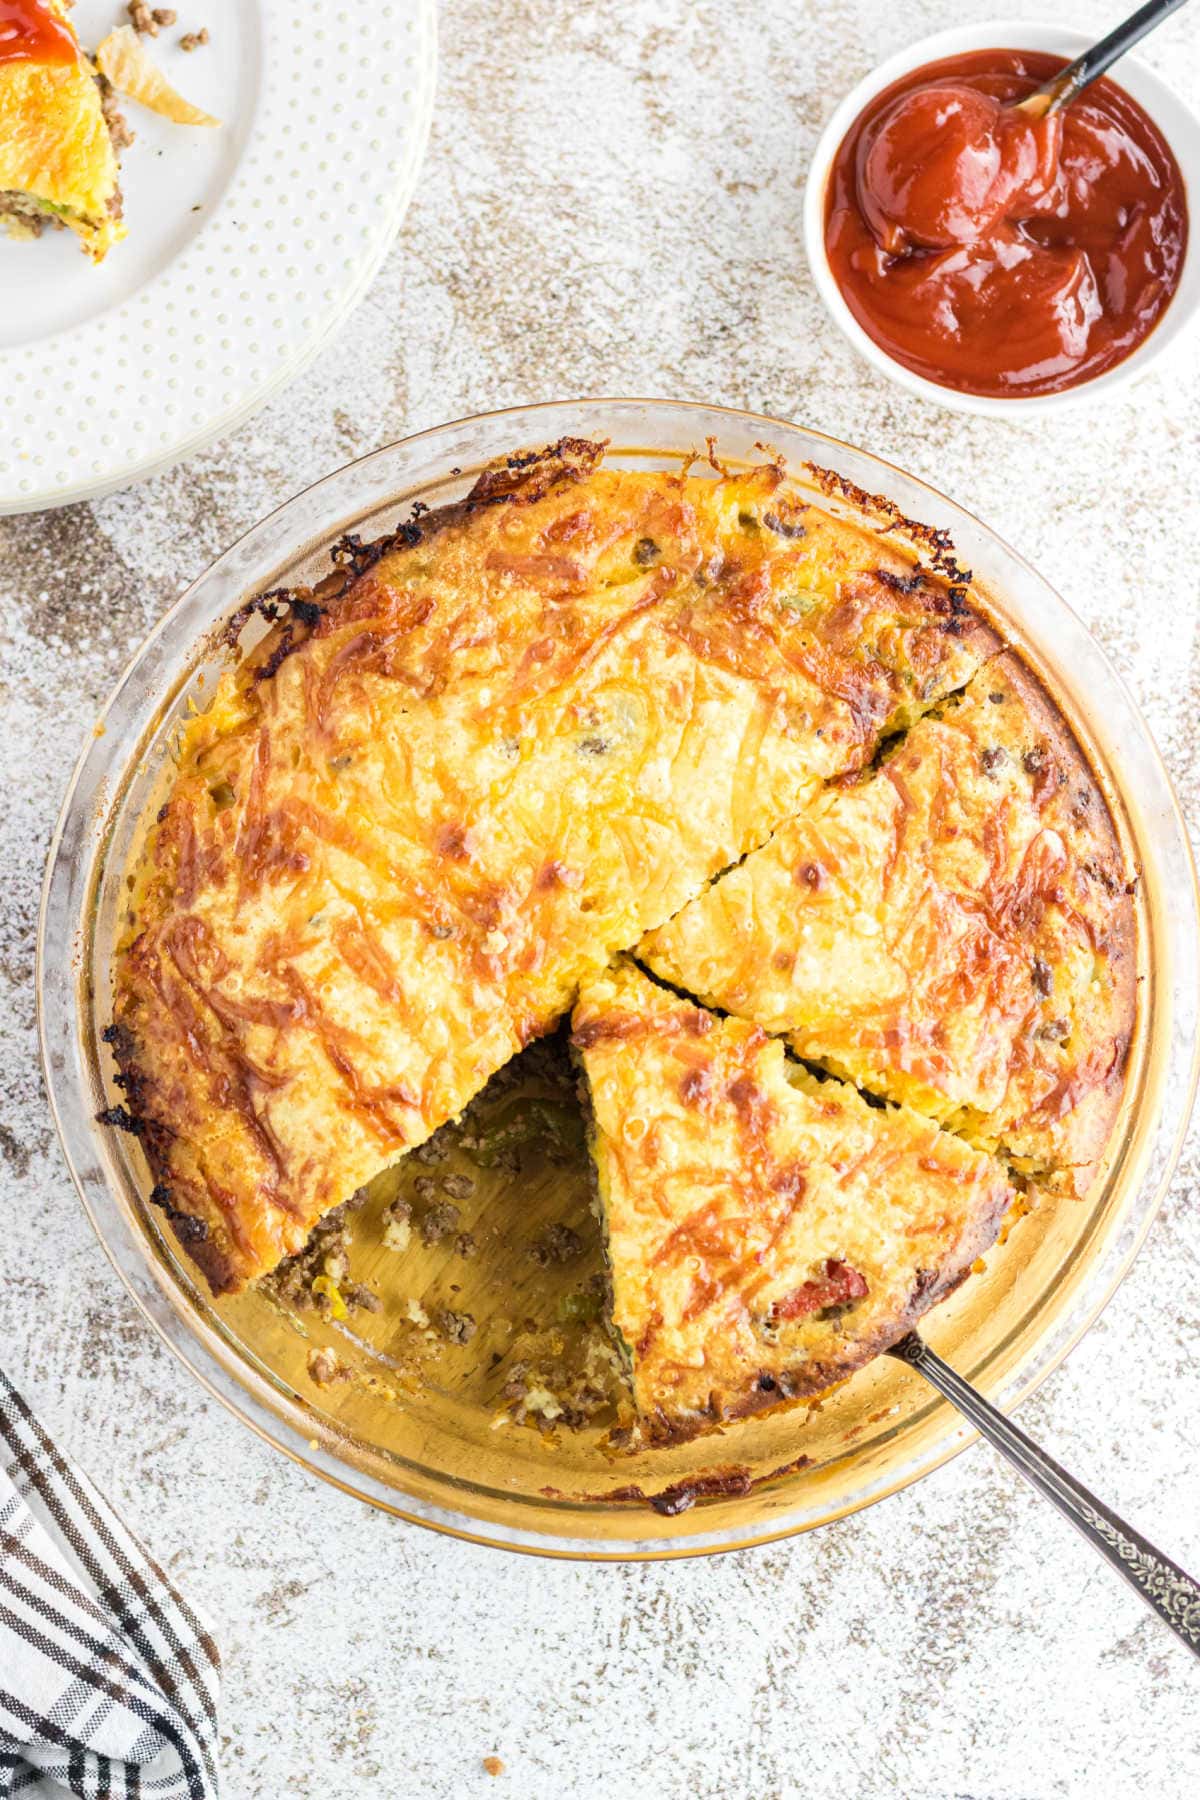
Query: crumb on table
x=493 y=1765
x=192 y=40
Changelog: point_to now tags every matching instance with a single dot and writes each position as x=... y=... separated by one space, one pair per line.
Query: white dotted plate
x=246 y=246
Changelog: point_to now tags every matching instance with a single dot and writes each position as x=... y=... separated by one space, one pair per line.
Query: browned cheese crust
x=955 y=931
x=768 y=1232
x=486 y=755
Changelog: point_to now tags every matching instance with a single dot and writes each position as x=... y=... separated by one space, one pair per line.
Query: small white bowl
x=1178 y=125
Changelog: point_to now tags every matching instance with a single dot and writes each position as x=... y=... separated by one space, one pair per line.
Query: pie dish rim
x=76 y=860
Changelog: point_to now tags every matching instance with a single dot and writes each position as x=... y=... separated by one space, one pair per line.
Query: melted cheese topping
x=494 y=751
x=954 y=932
x=768 y=1232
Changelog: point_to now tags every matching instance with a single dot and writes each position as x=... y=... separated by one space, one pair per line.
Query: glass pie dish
x=431 y=1440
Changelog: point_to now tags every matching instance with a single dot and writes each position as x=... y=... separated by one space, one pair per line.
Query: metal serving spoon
x=1062 y=88
x=1161 y=1583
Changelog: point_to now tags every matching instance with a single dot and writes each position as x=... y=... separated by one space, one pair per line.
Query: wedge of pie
x=768 y=1232
x=57 y=158
x=952 y=930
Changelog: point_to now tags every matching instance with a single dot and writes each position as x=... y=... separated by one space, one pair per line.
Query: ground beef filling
x=114 y=118
x=26 y=215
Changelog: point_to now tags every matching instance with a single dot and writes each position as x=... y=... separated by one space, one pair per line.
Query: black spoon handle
x=1162 y=1584
x=1064 y=86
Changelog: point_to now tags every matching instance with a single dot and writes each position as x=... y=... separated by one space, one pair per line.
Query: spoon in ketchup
x=950 y=163
x=1062 y=89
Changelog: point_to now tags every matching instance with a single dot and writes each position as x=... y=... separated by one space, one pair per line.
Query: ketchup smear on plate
x=31 y=32
x=999 y=254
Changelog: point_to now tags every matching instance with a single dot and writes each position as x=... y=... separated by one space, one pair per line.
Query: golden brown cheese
x=768 y=1232
x=955 y=931
x=490 y=753
x=56 y=153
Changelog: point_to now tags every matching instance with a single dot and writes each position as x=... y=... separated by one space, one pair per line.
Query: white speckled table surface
x=611 y=204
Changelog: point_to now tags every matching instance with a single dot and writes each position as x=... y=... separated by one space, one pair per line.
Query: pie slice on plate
x=57 y=157
x=768 y=1231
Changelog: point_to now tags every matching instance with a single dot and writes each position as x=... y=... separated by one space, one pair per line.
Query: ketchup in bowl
x=999 y=254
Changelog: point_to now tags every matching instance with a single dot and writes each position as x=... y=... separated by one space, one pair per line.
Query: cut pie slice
x=768 y=1231
x=57 y=158
x=955 y=931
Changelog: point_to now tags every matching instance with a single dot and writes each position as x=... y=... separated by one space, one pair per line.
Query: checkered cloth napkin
x=108 y=1680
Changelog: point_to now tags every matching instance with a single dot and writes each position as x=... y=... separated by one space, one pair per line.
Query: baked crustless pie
x=583 y=713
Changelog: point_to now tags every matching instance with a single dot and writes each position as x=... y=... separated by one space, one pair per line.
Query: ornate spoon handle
x=1162 y=1584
